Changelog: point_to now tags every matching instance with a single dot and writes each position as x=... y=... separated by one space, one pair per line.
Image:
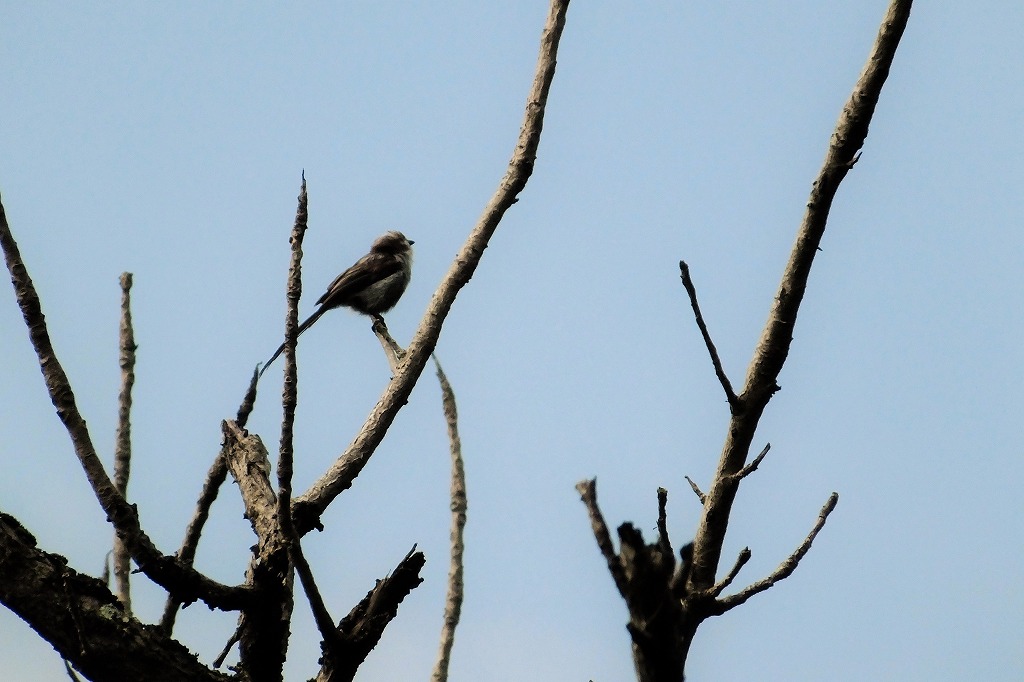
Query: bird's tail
x=302 y=327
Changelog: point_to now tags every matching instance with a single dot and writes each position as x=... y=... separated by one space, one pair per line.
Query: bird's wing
x=367 y=270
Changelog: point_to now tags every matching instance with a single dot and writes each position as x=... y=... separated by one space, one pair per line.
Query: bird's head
x=392 y=242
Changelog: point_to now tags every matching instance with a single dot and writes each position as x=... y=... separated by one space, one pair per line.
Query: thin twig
x=741 y=561
x=232 y=641
x=311 y=504
x=459 y=505
x=215 y=477
x=696 y=490
x=187 y=552
x=249 y=401
x=786 y=568
x=122 y=436
x=322 y=617
x=752 y=467
x=730 y=395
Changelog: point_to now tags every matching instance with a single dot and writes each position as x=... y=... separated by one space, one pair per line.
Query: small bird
x=371 y=286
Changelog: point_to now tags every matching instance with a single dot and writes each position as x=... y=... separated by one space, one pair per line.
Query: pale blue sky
x=168 y=140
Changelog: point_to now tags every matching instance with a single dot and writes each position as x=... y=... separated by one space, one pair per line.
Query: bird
x=371 y=286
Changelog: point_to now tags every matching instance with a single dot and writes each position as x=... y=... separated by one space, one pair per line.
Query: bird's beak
x=411 y=242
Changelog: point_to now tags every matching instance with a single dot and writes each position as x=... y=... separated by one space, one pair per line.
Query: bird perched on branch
x=371 y=286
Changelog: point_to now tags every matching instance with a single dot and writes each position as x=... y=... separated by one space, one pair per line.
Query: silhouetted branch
x=361 y=629
x=588 y=493
x=187 y=552
x=730 y=395
x=289 y=398
x=83 y=621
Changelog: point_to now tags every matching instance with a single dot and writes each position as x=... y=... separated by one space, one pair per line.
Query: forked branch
x=183 y=582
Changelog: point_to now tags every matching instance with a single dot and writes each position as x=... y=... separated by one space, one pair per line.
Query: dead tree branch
x=459 y=504
x=773 y=347
x=184 y=582
x=666 y=606
x=83 y=621
x=122 y=436
x=263 y=625
x=215 y=477
x=784 y=570
x=311 y=504
x=730 y=395
x=362 y=628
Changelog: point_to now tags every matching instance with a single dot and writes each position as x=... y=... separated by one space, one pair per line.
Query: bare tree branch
x=773 y=347
x=122 y=436
x=215 y=477
x=459 y=504
x=752 y=467
x=289 y=398
x=83 y=621
x=263 y=625
x=741 y=561
x=663 y=540
x=311 y=504
x=785 y=569
x=182 y=581
x=730 y=395
x=588 y=493
x=187 y=552
x=322 y=617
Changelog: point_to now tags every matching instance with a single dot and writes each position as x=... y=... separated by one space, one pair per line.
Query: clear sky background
x=168 y=139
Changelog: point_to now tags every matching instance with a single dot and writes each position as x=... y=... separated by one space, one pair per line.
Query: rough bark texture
x=83 y=621
x=263 y=625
